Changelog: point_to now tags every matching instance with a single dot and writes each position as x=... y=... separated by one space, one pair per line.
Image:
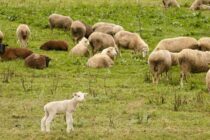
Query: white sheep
x=81 y=49
x=132 y=41
x=1 y=36
x=168 y=3
x=177 y=44
x=23 y=33
x=208 y=80
x=109 y=29
x=60 y=21
x=65 y=106
x=200 y=5
x=159 y=62
x=204 y=43
x=194 y=61
x=99 y=24
x=103 y=59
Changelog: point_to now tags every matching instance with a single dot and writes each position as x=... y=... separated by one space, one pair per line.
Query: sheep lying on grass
x=177 y=44
x=23 y=33
x=79 y=30
x=65 y=106
x=59 y=45
x=100 y=41
x=208 y=80
x=132 y=41
x=37 y=61
x=204 y=43
x=13 y=53
x=159 y=62
x=60 y=21
x=103 y=59
x=169 y=3
x=81 y=49
x=200 y=5
x=192 y=61
x=1 y=36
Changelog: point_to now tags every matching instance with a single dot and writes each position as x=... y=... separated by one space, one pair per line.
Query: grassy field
x=122 y=102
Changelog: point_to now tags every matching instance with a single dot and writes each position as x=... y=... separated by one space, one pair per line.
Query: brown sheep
x=194 y=61
x=23 y=32
x=60 y=21
x=169 y=3
x=177 y=44
x=60 y=45
x=1 y=36
x=79 y=30
x=37 y=61
x=200 y=5
x=132 y=41
x=13 y=53
x=103 y=59
x=204 y=43
x=99 y=41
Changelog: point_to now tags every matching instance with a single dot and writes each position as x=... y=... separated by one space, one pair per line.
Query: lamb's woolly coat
x=23 y=33
x=60 y=21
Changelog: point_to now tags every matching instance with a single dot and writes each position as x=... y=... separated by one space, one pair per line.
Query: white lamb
x=65 y=106
x=81 y=49
x=23 y=33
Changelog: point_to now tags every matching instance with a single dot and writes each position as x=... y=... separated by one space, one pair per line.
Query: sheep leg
x=48 y=121
x=182 y=75
x=43 y=121
x=69 y=122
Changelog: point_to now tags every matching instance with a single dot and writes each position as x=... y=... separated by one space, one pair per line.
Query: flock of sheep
x=102 y=43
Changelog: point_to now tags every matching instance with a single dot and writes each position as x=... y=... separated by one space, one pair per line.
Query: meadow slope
x=122 y=102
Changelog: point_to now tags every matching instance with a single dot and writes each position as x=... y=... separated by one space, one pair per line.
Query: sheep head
x=2 y=48
x=47 y=60
x=84 y=41
x=111 y=52
x=79 y=96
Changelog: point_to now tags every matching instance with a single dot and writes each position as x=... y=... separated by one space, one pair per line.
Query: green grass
x=122 y=102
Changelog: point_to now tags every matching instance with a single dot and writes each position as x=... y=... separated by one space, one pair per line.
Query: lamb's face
x=85 y=42
x=111 y=52
x=79 y=96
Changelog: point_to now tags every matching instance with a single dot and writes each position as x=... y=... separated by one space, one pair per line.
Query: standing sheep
x=208 y=80
x=60 y=21
x=103 y=59
x=112 y=30
x=65 y=106
x=100 y=41
x=1 y=36
x=204 y=43
x=177 y=44
x=192 y=61
x=13 y=53
x=200 y=5
x=169 y=3
x=37 y=61
x=79 y=30
x=60 y=45
x=132 y=41
x=23 y=33
x=159 y=62
x=81 y=49
x=100 y=24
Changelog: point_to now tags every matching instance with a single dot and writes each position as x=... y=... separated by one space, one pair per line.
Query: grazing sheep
x=177 y=44
x=169 y=3
x=79 y=30
x=60 y=21
x=159 y=62
x=81 y=49
x=112 y=30
x=204 y=43
x=1 y=36
x=99 y=24
x=65 y=106
x=23 y=33
x=59 y=45
x=37 y=61
x=132 y=41
x=13 y=53
x=200 y=5
x=99 y=41
x=194 y=61
x=103 y=59
x=208 y=80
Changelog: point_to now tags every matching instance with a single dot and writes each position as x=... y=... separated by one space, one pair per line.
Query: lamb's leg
x=43 y=121
x=69 y=122
x=182 y=76
x=48 y=121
